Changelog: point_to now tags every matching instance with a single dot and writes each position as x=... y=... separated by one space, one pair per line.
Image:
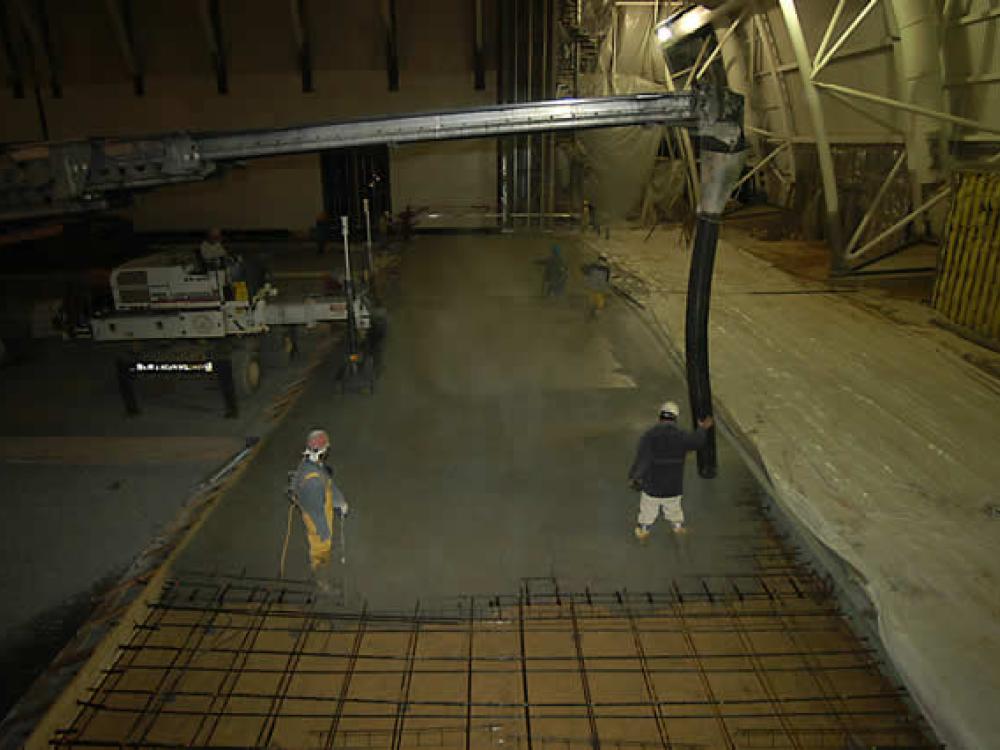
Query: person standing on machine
x=212 y=252
x=317 y=497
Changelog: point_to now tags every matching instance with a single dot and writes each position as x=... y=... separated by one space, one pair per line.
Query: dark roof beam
x=35 y=22
x=478 y=35
x=300 y=29
x=211 y=19
x=391 y=43
x=15 y=76
x=121 y=14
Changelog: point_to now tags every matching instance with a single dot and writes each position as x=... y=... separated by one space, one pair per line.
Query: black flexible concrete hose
x=696 y=334
x=721 y=163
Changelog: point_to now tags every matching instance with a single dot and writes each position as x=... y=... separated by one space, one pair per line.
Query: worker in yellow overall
x=318 y=498
x=597 y=276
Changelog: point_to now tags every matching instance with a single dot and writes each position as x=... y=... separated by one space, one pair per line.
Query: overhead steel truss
x=54 y=178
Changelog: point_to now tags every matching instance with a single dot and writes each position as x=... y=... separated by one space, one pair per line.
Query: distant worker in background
x=313 y=491
x=385 y=228
x=598 y=279
x=555 y=273
x=408 y=221
x=212 y=252
x=658 y=469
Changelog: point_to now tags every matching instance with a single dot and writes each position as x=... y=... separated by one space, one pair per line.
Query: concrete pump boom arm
x=48 y=179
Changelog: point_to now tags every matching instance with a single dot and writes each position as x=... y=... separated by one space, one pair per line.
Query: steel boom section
x=681 y=109
x=52 y=178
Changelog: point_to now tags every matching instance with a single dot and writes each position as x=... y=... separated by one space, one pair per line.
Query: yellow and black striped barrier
x=967 y=290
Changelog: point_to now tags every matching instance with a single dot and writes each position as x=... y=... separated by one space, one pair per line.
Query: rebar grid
x=228 y=637
x=757 y=658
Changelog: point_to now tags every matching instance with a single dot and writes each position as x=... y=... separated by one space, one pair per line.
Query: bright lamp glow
x=682 y=23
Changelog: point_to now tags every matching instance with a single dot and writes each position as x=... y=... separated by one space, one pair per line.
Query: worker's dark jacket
x=598 y=276
x=659 y=461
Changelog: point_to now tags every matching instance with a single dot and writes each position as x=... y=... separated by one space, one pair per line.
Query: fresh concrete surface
x=85 y=488
x=879 y=432
x=496 y=446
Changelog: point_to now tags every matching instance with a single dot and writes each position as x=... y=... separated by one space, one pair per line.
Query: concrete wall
x=350 y=80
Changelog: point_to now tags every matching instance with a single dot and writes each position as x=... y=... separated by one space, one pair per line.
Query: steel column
x=815 y=106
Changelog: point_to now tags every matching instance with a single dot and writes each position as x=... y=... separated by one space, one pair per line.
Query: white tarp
x=620 y=164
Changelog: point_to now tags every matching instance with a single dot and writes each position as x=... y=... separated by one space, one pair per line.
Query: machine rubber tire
x=246 y=371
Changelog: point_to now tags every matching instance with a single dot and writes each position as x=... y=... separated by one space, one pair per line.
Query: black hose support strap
x=721 y=163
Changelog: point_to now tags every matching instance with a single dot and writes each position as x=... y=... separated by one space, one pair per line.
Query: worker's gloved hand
x=635 y=484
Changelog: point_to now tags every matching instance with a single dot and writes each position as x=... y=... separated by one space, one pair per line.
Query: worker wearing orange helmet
x=317 y=497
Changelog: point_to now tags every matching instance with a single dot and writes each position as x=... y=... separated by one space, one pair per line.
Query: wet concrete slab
x=495 y=448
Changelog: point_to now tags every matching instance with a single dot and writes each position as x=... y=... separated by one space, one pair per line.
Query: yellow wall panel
x=967 y=291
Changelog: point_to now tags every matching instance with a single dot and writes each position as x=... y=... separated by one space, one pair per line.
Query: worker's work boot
x=642 y=534
x=680 y=529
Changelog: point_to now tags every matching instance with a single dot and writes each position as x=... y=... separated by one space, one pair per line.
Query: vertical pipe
x=368 y=242
x=544 y=140
x=503 y=194
x=576 y=48
x=352 y=343
x=529 y=139
x=815 y=107
x=614 y=49
x=515 y=171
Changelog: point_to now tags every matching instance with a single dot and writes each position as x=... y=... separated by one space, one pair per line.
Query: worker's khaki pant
x=319 y=548
x=650 y=508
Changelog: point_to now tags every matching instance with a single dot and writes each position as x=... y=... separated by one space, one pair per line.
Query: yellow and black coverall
x=317 y=496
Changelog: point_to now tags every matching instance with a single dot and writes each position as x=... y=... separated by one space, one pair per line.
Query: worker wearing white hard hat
x=212 y=251
x=316 y=495
x=658 y=469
